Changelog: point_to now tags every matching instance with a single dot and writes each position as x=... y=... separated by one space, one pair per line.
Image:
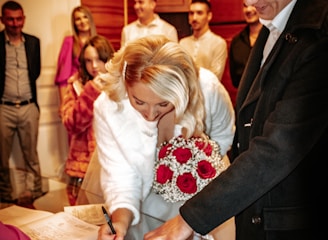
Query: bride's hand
x=104 y=233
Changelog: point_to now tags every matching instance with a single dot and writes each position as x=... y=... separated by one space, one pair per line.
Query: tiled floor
x=55 y=199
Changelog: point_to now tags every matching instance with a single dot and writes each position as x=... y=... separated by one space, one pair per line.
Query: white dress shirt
x=208 y=51
x=158 y=26
x=276 y=27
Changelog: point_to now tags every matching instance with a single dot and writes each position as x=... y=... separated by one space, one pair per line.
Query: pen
x=108 y=220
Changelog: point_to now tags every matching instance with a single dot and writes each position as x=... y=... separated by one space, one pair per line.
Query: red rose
x=182 y=154
x=201 y=146
x=163 y=151
x=187 y=183
x=205 y=169
x=164 y=174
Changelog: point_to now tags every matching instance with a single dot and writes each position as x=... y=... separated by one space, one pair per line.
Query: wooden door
x=109 y=18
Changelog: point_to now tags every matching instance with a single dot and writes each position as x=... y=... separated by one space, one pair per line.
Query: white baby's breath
x=169 y=190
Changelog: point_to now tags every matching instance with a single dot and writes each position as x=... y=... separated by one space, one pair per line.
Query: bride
x=154 y=95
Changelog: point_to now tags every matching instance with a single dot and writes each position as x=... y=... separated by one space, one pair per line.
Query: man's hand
x=174 y=229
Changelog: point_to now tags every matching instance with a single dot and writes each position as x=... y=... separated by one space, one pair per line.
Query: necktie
x=273 y=36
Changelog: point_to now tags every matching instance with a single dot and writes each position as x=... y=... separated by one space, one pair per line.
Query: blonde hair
x=77 y=44
x=169 y=72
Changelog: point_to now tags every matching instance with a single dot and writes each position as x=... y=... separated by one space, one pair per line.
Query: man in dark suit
x=20 y=66
x=275 y=186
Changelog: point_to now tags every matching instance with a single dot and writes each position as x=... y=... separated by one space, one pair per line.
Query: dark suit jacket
x=32 y=48
x=240 y=48
x=277 y=182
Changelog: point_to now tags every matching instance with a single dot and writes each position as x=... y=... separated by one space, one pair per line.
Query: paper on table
x=43 y=225
x=90 y=213
x=61 y=226
x=18 y=216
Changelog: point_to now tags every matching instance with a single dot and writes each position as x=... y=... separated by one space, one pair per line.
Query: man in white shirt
x=208 y=49
x=148 y=23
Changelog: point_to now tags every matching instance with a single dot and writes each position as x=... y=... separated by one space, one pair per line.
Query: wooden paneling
x=227 y=31
x=131 y=13
x=170 y=6
x=227 y=11
x=180 y=21
x=108 y=17
x=227 y=21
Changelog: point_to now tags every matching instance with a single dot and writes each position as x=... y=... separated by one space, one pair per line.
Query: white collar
x=280 y=21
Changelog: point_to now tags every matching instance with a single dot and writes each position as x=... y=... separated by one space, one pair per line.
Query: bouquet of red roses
x=186 y=166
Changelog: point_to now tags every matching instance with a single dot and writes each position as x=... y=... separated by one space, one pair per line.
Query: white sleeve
x=120 y=182
x=220 y=55
x=220 y=116
x=173 y=35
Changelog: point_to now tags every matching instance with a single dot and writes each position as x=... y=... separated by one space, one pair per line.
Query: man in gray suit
x=275 y=185
x=20 y=66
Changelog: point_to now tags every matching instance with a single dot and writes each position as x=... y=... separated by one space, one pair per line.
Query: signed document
x=43 y=225
x=90 y=213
